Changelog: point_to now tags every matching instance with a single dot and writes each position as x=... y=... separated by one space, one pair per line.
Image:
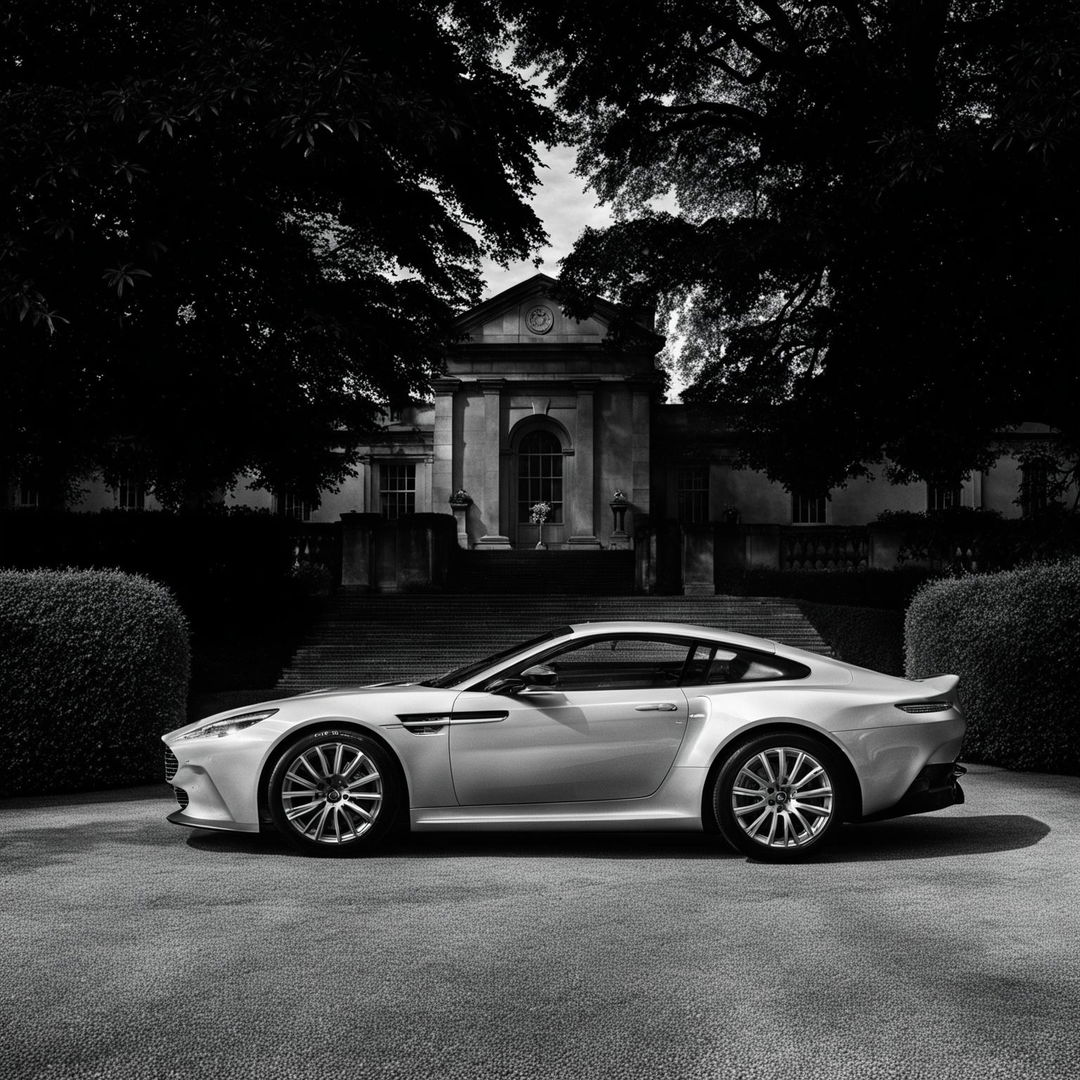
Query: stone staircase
x=578 y=573
x=366 y=639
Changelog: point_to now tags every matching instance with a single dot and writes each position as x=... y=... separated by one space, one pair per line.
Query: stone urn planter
x=619 y=505
x=460 y=502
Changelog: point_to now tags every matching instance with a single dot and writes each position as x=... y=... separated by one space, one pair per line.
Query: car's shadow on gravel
x=925 y=837
x=901 y=838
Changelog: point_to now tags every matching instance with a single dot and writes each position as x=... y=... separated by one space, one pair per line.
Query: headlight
x=227 y=726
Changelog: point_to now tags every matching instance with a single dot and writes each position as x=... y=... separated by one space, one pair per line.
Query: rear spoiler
x=941 y=684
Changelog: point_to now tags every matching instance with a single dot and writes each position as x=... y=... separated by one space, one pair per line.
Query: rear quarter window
x=717 y=665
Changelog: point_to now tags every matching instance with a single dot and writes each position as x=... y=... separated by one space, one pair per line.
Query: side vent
x=424 y=723
x=171 y=765
x=926 y=706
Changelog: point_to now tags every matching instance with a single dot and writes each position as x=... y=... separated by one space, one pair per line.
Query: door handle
x=660 y=706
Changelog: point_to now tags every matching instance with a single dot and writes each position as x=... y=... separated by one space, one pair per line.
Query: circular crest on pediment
x=539 y=319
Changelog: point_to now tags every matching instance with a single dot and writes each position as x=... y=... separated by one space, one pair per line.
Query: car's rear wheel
x=334 y=793
x=777 y=797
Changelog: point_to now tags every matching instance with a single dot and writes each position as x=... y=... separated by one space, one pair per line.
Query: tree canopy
x=231 y=233
x=875 y=248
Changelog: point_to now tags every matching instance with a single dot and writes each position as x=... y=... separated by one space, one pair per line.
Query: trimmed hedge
x=859 y=588
x=94 y=668
x=867 y=636
x=1014 y=639
x=231 y=571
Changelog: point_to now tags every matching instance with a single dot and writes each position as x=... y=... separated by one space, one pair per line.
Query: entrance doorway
x=538 y=476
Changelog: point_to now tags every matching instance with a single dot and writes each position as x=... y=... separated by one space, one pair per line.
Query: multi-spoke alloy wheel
x=333 y=791
x=777 y=797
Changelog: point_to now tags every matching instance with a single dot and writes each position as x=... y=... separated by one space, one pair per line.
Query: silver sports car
x=617 y=725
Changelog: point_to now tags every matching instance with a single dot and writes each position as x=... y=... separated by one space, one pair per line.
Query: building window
x=692 y=494
x=540 y=475
x=1034 y=487
x=27 y=497
x=808 y=509
x=942 y=494
x=397 y=489
x=292 y=506
x=130 y=495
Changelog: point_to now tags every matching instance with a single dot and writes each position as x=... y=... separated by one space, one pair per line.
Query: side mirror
x=510 y=685
x=541 y=675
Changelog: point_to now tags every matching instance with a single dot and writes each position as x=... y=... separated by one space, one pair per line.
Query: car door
x=609 y=729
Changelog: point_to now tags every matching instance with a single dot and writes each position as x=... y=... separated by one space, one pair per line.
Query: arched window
x=540 y=476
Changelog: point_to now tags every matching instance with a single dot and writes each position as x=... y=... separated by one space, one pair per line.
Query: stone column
x=370 y=503
x=357 y=551
x=583 y=498
x=698 y=560
x=442 y=468
x=885 y=544
x=642 y=419
x=489 y=504
x=425 y=486
x=762 y=547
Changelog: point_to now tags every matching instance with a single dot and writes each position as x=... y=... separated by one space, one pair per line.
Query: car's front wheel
x=777 y=797
x=334 y=793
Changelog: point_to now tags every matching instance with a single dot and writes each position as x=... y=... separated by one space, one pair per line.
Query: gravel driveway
x=946 y=945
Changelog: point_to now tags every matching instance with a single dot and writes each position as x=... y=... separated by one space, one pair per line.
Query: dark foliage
x=875 y=243
x=868 y=636
x=232 y=574
x=1013 y=638
x=963 y=538
x=890 y=589
x=93 y=670
x=229 y=233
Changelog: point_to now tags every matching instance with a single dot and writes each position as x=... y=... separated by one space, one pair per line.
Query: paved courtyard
x=946 y=945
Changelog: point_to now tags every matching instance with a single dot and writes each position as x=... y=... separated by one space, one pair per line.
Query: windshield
x=469 y=670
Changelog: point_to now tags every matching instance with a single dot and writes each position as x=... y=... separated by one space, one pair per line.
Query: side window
x=620 y=663
x=713 y=665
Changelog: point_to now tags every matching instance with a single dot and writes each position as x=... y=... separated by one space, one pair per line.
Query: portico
x=538 y=407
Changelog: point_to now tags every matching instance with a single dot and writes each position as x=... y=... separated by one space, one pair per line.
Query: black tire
x=334 y=792
x=789 y=815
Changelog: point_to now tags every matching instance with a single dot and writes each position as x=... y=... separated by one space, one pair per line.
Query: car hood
x=283 y=703
x=332 y=691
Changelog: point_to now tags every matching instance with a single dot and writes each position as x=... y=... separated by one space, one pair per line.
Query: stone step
x=608 y=573
x=362 y=639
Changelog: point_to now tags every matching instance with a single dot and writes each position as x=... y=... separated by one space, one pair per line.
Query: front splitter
x=178 y=817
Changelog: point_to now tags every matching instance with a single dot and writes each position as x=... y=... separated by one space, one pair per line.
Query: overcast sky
x=565 y=208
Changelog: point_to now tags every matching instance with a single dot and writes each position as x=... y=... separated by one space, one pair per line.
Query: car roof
x=708 y=633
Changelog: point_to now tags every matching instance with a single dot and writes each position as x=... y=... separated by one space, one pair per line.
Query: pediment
x=525 y=314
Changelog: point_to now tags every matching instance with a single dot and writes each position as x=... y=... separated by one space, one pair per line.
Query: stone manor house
x=534 y=406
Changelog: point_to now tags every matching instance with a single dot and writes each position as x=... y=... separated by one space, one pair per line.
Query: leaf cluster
x=1011 y=637
x=93 y=665
x=873 y=257
x=231 y=234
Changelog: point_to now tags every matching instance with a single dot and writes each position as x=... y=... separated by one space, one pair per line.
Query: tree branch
x=750 y=43
x=747 y=117
x=745 y=80
x=781 y=21
x=850 y=11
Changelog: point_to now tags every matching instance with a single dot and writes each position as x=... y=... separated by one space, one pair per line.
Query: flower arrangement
x=460 y=498
x=618 y=495
x=539 y=512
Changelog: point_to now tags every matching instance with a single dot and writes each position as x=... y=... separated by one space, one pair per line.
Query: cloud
x=565 y=207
